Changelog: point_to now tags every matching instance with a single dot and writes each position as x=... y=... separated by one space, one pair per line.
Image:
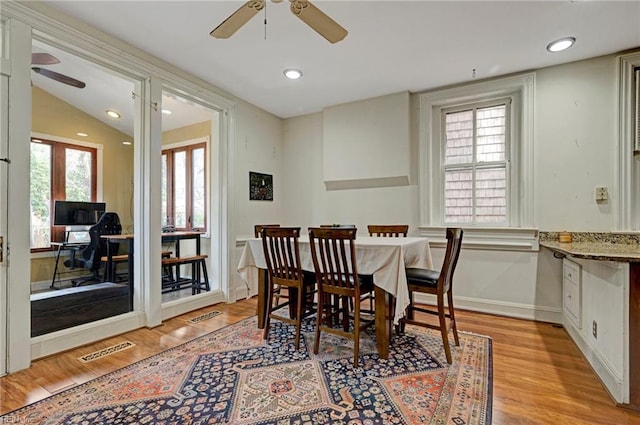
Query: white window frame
x=207 y=165
x=519 y=234
x=627 y=167
x=99 y=171
x=474 y=165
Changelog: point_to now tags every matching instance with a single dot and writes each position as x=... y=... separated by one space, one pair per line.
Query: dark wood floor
x=540 y=377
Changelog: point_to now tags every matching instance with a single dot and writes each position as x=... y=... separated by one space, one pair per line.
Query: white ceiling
x=106 y=90
x=392 y=46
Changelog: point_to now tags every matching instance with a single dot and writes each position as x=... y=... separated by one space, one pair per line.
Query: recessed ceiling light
x=166 y=112
x=560 y=45
x=113 y=114
x=124 y=142
x=82 y=134
x=292 y=74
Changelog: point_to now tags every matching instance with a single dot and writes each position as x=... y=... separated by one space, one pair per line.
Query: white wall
x=575 y=142
x=308 y=201
x=367 y=143
x=575 y=145
x=259 y=148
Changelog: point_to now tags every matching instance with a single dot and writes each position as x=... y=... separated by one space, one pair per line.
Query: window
x=59 y=171
x=475 y=163
x=476 y=155
x=184 y=187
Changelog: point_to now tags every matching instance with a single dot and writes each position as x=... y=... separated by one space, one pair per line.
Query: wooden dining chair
x=385 y=230
x=333 y=251
x=257 y=232
x=388 y=230
x=438 y=284
x=257 y=229
x=282 y=254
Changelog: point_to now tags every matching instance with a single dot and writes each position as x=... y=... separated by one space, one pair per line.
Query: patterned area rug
x=231 y=376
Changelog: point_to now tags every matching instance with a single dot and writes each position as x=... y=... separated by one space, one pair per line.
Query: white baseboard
x=239 y=293
x=599 y=363
x=184 y=305
x=501 y=308
x=66 y=339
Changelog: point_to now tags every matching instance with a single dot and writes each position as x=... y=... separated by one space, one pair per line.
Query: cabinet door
x=571 y=292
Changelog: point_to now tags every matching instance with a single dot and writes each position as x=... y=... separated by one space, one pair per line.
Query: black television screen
x=70 y=213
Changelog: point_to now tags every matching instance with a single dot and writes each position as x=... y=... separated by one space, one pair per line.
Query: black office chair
x=90 y=257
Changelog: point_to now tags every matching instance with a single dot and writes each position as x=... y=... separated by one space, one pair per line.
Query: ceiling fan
x=303 y=9
x=48 y=59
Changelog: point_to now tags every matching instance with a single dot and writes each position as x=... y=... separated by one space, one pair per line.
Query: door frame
x=4 y=172
x=110 y=52
x=17 y=266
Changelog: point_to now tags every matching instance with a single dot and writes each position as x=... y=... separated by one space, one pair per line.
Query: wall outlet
x=594 y=329
x=602 y=193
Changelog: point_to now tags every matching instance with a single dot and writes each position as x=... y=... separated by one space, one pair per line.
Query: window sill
x=487 y=238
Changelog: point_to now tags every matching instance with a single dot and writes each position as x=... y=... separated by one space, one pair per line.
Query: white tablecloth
x=384 y=258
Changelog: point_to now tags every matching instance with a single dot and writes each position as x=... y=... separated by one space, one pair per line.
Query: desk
x=72 y=247
x=383 y=258
x=128 y=238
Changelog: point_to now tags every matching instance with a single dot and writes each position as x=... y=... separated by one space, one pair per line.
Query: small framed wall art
x=260 y=186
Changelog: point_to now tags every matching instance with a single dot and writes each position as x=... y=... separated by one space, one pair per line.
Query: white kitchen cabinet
x=572 y=292
x=595 y=314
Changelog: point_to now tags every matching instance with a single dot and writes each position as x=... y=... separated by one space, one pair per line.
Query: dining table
x=384 y=258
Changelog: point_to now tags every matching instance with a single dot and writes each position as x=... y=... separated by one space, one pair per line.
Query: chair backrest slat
x=388 y=230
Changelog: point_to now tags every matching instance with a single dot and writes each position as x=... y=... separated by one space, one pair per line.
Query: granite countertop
x=622 y=247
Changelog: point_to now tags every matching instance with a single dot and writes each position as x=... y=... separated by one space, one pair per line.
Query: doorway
x=190 y=132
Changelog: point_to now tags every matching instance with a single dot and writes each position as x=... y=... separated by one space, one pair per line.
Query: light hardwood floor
x=539 y=376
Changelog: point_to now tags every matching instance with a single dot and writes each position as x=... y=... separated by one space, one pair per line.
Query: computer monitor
x=72 y=213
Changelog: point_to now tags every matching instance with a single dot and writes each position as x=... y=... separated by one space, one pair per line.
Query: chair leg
x=300 y=292
x=408 y=313
x=443 y=327
x=452 y=316
x=277 y=294
x=195 y=278
x=346 y=302
x=205 y=275
x=356 y=332
x=322 y=304
x=268 y=307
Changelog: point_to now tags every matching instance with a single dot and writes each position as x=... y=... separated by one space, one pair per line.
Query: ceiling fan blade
x=318 y=20
x=43 y=59
x=65 y=79
x=237 y=19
